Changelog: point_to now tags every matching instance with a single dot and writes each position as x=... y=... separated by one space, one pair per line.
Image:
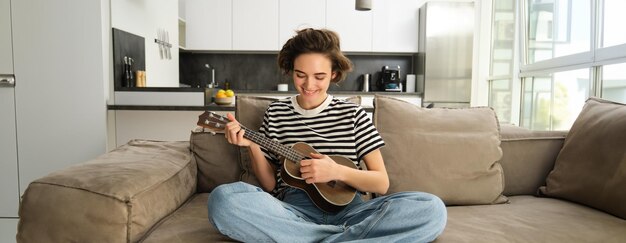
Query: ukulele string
x=273 y=145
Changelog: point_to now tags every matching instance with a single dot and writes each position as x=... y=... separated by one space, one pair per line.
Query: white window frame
x=593 y=59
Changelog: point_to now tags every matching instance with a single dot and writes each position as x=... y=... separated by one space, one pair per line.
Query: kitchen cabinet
x=265 y=25
x=8 y=229
x=255 y=25
x=395 y=25
x=299 y=14
x=9 y=190
x=6 y=49
x=209 y=24
x=354 y=27
x=54 y=116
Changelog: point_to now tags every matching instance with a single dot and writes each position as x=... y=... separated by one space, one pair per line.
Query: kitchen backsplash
x=259 y=72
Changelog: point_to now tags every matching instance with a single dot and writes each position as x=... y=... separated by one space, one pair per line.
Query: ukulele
x=330 y=196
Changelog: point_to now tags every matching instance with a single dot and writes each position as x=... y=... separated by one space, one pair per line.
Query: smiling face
x=312 y=73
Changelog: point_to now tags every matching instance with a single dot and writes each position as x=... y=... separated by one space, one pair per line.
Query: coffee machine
x=389 y=79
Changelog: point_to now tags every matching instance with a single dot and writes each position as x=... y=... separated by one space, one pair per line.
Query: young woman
x=333 y=127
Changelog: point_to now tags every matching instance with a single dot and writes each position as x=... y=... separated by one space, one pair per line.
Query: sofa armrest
x=116 y=197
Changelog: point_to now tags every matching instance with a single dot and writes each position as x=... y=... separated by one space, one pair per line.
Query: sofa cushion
x=216 y=159
x=527 y=158
x=188 y=224
x=451 y=153
x=249 y=112
x=532 y=219
x=591 y=167
x=116 y=197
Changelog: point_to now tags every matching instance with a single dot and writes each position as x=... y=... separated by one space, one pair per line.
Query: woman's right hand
x=234 y=132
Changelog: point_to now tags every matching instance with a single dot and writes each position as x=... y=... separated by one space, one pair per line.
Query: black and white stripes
x=337 y=127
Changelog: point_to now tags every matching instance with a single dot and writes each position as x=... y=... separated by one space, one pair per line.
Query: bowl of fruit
x=224 y=97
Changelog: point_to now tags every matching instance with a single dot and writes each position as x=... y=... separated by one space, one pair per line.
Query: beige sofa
x=156 y=191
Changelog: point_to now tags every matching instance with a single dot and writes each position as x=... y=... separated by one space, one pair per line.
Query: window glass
x=557 y=28
x=503 y=34
x=500 y=99
x=613 y=23
x=614 y=82
x=553 y=102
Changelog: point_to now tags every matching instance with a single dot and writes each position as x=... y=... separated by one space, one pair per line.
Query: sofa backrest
x=527 y=158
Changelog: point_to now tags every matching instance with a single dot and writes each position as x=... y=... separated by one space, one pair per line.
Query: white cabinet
x=209 y=24
x=354 y=27
x=6 y=51
x=299 y=14
x=8 y=229
x=255 y=25
x=265 y=25
x=58 y=115
x=395 y=25
x=55 y=114
x=9 y=190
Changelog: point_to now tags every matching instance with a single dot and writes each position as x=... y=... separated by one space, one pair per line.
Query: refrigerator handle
x=7 y=80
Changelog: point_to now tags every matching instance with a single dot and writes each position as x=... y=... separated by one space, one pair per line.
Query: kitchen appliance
x=444 y=61
x=410 y=83
x=389 y=79
x=366 y=83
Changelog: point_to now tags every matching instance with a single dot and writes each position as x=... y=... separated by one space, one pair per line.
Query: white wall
x=144 y=18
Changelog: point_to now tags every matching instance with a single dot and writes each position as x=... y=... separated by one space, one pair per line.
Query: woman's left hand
x=319 y=169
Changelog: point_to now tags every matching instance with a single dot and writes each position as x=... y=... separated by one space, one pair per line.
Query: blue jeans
x=247 y=213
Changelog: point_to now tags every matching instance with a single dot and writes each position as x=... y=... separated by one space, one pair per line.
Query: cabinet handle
x=7 y=81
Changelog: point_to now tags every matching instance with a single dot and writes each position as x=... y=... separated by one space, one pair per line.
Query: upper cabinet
x=354 y=27
x=255 y=25
x=265 y=25
x=209 y=24
x=299 y=14
x=395 y=25
x=6 y=48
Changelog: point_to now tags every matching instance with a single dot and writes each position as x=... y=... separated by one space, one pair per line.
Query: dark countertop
x=215 y=107
x=260 y=92
x=212 y=107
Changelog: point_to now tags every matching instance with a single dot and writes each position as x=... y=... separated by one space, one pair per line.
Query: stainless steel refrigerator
x=444 y=61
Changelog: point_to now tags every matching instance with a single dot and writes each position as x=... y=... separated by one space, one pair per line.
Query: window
x=554 y=32
x=613 y=23
x=564 y=62
x=614 y=82
x=500 y=99
x=553 y=102
x=502 y=59
x=503 y=38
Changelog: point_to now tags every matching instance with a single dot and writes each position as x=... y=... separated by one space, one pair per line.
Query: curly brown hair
x=320 y=41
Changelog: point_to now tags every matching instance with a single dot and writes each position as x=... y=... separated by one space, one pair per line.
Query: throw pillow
x=249 y=111
x=591 y=167
x=216 y=160
x=451 y=153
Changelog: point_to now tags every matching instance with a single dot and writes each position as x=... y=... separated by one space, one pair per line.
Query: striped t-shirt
x=336 y=127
